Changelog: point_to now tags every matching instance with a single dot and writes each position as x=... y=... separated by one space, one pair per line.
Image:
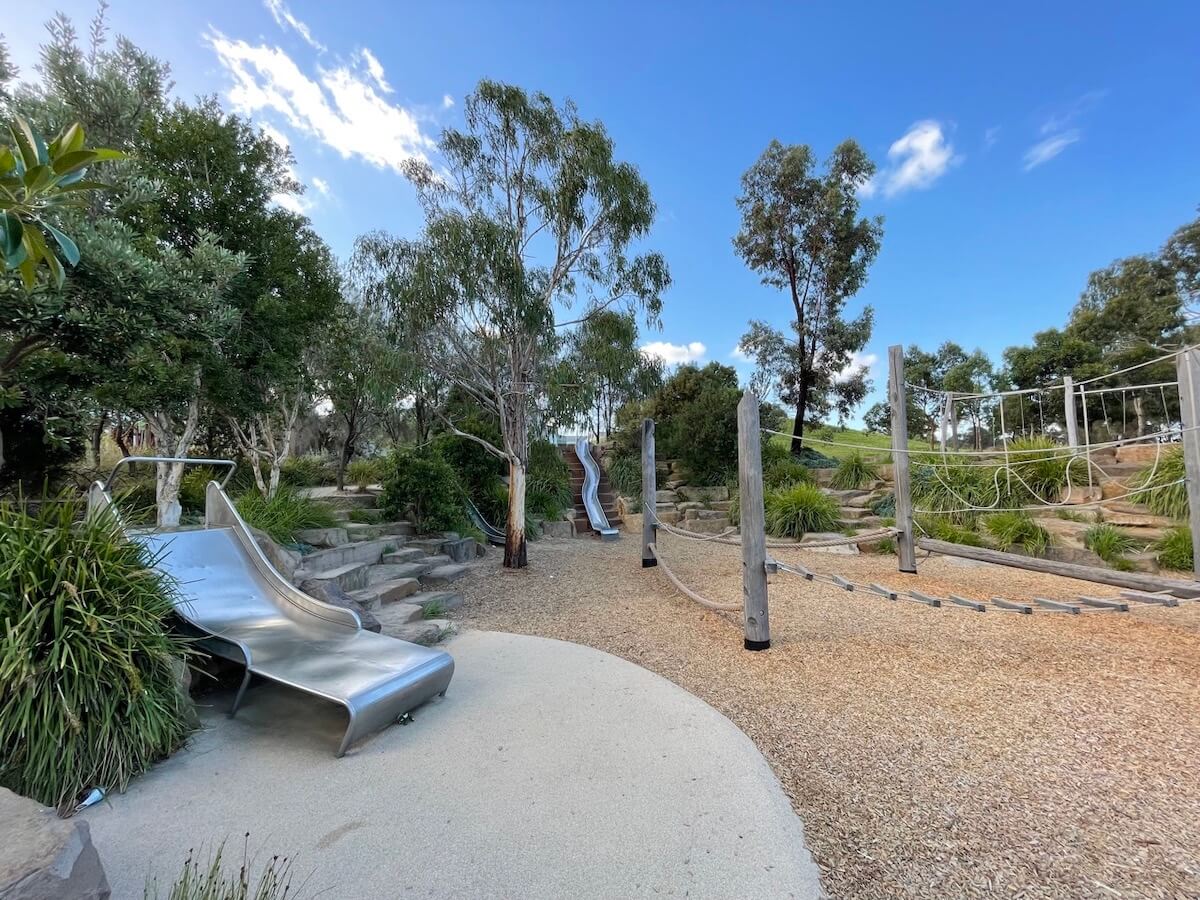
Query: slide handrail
x=591 y=489
x=186 y=460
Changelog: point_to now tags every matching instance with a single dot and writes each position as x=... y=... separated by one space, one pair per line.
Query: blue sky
x=1021 y=145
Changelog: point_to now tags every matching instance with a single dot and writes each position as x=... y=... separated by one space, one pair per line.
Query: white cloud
x=739 y=353
x=321 y=185
x=1046 y=150
x=916 y=160
x=447 y=101
x=285 y=20
x=673 y=354
x=292 y=203
x=375 y=69
x=990 y=137
x=341 y=107
x=856 y=363
x=1059 y=120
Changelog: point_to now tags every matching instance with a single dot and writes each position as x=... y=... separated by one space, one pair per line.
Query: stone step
x=705 y=526
x=323 y=537
x=357 y=552
x=406 y=570
x=381 y=593
x=426 y=631
x=400 y=614
x=444 y=574
x=349 y=577
x=430 y=545
x=403 y=555
x=444 y=600
x=854 y=512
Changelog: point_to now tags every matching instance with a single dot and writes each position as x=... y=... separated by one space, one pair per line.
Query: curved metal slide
x=591 y=486
x=252 y=615
x=494 y=535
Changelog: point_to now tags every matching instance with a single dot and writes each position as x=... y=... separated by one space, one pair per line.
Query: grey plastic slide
x=591 y=487
x=252 y=615
x=494 y=535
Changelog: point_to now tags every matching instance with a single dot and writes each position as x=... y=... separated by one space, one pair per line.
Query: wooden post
x=1187 y=367
x=1069 y=411
x=754 y=535
x=649 y=492
x=900 y=474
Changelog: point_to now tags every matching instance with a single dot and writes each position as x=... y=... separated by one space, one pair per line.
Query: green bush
x=193 y=485
x=794 y=511
x=363 y=473
x=214 y=880
x=362 y=516
x=786 y=471
x=815 y=459
x=625 y=475
x=1017 y=529
x=885 y=506
x=1164 y=497
x=424 y=484
x=478 y=470
x=944 y=528
x=1044 y=470
x=1110 y=544
x=310 y=470
x=88 y=695
x=547 y=482
x=1174 y=550
x=284 y=514
x=853 y=472
x=949 y=488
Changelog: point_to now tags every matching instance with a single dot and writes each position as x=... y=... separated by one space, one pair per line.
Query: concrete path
x=549 y=770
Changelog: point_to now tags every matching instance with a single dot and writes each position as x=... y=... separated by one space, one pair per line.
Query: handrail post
x=900 y=473
x=649 y=490
x=753 y=526
x=1069 y=412
x=1187 y=368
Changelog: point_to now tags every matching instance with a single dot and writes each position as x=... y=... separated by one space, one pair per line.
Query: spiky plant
x=1166 y=492
x=853 y=472
x=215 y=880
x=1110 y=544
x=794 y=511
x=1017 y=529
x=1174 y=550
x=284 y=514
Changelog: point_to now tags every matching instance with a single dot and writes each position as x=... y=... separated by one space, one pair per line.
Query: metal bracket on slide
x=186 y=460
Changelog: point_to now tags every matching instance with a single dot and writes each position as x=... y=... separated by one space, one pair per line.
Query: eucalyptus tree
x=607 y=369
x=529 y=223
x=802 y=234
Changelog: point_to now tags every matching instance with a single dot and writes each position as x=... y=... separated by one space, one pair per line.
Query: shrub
x=1110 y=544
x=625 y=474
x=1164 y=497
x=212 y=881
x=193 y=485
x=547 y=482
x=1043 y=471
x=786 y=471
x=478 y=470
x=284 y=514
x=307 y=471
x=1013 y=529
x=424 y=484
x=815 y=459
x=886 y=547
x=885 y=506
x=853 y=472
x=88 y=695
x=1174 y=550
x=944 y=528
x=365 y=516
x=948 y=489
x=799 y=509
x=364 y=472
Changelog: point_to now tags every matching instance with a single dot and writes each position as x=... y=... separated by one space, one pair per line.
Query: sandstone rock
x=1136 y=520
x=1111 y=489
x=183 y=685
x=669 y=516
x=559 y=529
x=1074 y=493
x=323 y=537
x=704 y=493
x=701 y=513
x=1142 y=454
x=44 y=857
x=284 y=560
x=403 y=555
x=463 y=549
x=706 y=526
x=328 y=591
x=665 y=497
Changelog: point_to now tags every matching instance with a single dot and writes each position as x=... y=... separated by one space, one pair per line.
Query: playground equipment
x=494 y=535
x=250 y=614
x=591 y=495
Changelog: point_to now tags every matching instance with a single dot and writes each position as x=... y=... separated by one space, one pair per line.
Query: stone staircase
x=605 y=493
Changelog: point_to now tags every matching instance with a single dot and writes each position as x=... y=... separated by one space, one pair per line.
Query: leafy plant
x=284 y=514
x=799 y=509
x=786 y=471
x=362 y=516
x=1010 y=529
x=1042 y=465
x=88 y=693
x=364 y=472
x=886 y=547
x=1174 y=550
x=885 y=506
x=1110 y=544
x=306 y=471
x=211 y=881
x=952 y=489
x=548 y=482
x=625 y=475
x=36 y=180
x=853 y=472
x=434 y=609
x=945 y=528
x=193 y=486
x=425 y=484
x=1164 y=496
x=1070 y=515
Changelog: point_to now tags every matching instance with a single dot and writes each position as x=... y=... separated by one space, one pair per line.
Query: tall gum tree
x=802 y=234
x=529 y=223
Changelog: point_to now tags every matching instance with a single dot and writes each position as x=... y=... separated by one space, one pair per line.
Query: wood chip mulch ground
x=929 y=752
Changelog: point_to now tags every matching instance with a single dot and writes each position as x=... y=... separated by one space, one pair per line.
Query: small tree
x=531 y=215
x=802 y=234
x=608 y=368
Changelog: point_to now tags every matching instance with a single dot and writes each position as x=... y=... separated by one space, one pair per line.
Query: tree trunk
x=1140 y=412
x=515 y=556
x=798 y=425
x=166 y=493
x=98 y=437
x=343 y=461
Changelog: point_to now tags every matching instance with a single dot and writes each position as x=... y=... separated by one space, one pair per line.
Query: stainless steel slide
x=252 y=615
x=494 y=535
x=591 y=487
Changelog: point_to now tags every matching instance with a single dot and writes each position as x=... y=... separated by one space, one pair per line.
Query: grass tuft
x=796 y=510
x=1017 y=529
x=1164 y=498
x=853 y=472
x=1174 y=550
x=284 y=514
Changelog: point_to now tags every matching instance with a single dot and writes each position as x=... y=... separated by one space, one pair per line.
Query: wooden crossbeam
x=1015 y=607
x=1102 y=603
x=1143 y=597
x=1058 y=606
x=969 y=604
x=924 y=598
x=886 y=592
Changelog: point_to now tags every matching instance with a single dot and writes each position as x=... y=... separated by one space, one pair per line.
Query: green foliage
x=944 y=528
x=364 y=472
x=885 y=506
x=214 y=880
x=853 y=472
x=37 y=180
x=1013 y=529
x=625 y=475
x=799 y=509
x=310 y=470
x=953 y=485
x=1163 y=495
x=88 y=695
x=886 y=547
x=434 y=609
x=786 y=472
x=1174 y=550
x=1110 y=544
x=695 y=421
x=547 y=482
x=1070 y=515
x=1042 y=465
x=284 y=514
x=193 y=486
x=425 y=485
x=365 y=516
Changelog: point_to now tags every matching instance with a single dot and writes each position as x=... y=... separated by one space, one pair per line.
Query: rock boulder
x=44 y=857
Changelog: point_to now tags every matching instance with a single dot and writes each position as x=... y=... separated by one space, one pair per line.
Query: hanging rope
x=687 y=591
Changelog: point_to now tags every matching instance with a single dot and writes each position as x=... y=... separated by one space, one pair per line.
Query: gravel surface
x=929 y=752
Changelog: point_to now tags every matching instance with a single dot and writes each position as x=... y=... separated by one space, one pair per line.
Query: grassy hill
x=843 y=439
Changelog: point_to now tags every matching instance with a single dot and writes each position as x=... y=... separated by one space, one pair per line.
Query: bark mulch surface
x=929 y=752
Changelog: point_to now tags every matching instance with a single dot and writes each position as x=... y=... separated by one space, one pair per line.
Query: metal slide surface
x=494 y=535
x=591 y=487
x=254 y=616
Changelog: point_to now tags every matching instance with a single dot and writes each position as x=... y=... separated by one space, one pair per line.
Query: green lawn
x=844 y=438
